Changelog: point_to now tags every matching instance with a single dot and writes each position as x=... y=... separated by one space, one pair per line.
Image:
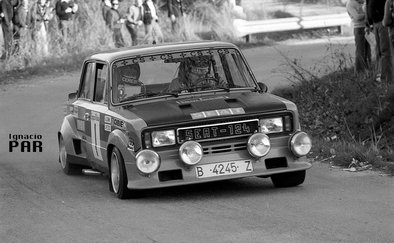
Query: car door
x=86 y=120
x=100 y=120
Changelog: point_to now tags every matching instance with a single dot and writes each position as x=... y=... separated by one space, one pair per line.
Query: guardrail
x=246 y=28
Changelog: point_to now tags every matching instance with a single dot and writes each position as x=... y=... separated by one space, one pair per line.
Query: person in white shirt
x=134 y=20
x=363 y=49
x=151 y=22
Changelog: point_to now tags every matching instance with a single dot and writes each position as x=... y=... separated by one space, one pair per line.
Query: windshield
x=179 y=73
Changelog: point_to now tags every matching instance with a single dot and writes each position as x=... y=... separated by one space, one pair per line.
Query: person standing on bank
x=363 y=50
x=40 y=15
x=175 y=13
x=151 y=22
x=114 y=22
x=134 y=20
x=106 y=6
x=7 y=13
x=65 y=10
x=19 y=19
x=388 y=20
x=375 y=14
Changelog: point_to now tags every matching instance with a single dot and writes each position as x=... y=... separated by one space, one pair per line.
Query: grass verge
x=350 y=116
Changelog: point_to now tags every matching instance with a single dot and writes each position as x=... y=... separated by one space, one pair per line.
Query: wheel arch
x=67 y=131
x=118 y=139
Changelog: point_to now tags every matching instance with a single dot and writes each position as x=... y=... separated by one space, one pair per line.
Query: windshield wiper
x=175 y=94
x=224 y=88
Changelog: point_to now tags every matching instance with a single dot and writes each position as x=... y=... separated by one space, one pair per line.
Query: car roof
x=112 y=55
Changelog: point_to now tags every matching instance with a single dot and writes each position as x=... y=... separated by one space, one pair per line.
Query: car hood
x=179 y=110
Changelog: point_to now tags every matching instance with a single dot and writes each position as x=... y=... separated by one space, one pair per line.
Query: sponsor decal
x=95 y=128
x=81 y=125
x=107 y=119
x=217 y=131
x=214 y=113
x=107 y=127
x=25 y=143
x=119 y=123
x=131 y=146
x=173 y=57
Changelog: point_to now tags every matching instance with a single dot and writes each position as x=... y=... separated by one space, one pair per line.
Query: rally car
x=179 y=114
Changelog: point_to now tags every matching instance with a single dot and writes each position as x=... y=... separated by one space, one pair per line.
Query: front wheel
x=118 y=177
x=288 y=179
x=68 y=169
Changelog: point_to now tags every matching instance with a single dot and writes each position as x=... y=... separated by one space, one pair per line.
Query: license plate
x=224 y=168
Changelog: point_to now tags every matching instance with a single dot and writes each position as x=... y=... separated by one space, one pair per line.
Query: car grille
x=216 y=136
x=218 y=148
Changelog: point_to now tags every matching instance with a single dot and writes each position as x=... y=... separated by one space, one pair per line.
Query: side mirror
x=72 y=96
x=263 y=87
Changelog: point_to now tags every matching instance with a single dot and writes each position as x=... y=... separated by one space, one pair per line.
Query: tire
x=288 y=179
x=68 y=169
x=118 y=177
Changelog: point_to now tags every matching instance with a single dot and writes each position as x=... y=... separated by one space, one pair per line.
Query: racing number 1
x=95 y=129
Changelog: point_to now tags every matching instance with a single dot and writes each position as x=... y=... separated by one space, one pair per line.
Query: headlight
x=148 y=161
x=271 y=125
x=300 y=144
x=191 y=152
x=163 y=138
x=259 y=145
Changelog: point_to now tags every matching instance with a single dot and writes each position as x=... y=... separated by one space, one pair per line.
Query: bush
x=351 y=111
x=89 y=34
x=205 y=20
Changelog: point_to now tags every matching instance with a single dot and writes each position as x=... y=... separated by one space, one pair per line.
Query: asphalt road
x=38 y=203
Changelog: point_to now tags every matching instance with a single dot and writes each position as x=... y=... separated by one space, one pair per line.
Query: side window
x=238 y=71
x=87 y=81
x=100 y=91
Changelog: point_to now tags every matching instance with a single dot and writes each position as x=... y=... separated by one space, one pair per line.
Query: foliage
x=89 y=34
x=352 y=111
x=205 y=20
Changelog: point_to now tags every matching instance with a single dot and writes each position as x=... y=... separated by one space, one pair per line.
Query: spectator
x=20 y=16
x=65 y=10
x=363 y=50
x=134 y=20
x=375 y=14
x=237 y=9
x=7 y=26
x=114 y=22
x=388 y=19
x=105 y=8
x=175 y=13
x=151 y=22
x=40 y=15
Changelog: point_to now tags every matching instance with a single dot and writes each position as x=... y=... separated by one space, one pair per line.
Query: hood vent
x=185 y=106
x=231 y=100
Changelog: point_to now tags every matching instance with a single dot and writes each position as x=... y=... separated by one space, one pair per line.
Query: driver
x=193 y=73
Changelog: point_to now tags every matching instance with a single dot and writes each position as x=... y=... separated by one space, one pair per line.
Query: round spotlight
x=191 y=152
x=259 y=145
x=300 y=144
x=147 y=161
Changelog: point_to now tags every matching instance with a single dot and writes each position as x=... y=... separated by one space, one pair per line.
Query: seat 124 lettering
x=179 y=114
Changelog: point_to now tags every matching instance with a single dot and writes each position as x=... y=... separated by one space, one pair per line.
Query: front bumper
x=170 y=162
